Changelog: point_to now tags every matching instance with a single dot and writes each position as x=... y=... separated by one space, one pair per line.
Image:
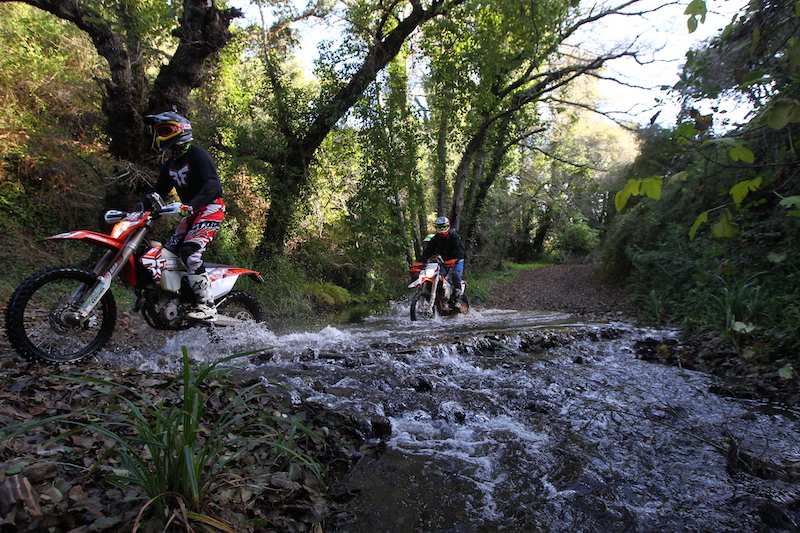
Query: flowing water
x=524 y=422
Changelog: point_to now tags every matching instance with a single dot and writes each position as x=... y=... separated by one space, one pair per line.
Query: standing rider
x=447 y=243
x=191 y=172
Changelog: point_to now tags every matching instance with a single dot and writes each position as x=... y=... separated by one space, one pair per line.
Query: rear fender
x=223 y=277
x=223 y=271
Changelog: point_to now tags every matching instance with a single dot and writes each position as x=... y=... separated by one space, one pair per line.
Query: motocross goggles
x=442 y=228
x=167 y=130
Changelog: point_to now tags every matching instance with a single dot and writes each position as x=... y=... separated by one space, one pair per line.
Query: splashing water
x=509 y=421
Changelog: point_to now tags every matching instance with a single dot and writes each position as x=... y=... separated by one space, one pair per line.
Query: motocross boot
x=455 y=279
x=201 y=286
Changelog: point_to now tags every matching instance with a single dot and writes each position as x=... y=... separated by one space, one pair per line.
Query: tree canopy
x=422 y=108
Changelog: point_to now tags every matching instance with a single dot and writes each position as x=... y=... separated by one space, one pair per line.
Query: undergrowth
x=185 y=447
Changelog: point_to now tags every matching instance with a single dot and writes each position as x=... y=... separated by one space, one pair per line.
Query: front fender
x=419 y=281
x=100 y=239
x=103 y=241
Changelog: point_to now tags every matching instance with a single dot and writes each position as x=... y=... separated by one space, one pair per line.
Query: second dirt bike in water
x=434 y=290
x=66 y=313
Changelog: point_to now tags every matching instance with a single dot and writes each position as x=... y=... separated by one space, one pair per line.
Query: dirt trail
x=567 y=288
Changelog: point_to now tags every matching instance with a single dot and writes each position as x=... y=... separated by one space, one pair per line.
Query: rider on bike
x=447 y=243
x=190 y=170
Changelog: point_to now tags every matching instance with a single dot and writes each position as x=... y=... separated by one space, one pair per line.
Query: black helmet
x=169 y=129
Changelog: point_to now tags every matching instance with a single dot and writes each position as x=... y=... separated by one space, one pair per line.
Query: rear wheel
x=40 y=317
x=241 y=306
x=419 y=306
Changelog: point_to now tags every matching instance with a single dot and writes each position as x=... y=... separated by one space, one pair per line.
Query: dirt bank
x=566 y=288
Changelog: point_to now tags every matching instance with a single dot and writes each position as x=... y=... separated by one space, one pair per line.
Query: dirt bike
x=434 y=290
x=67 y=313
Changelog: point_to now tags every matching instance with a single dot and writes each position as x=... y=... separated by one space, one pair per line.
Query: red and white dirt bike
x=434 y=290
x=66 y=313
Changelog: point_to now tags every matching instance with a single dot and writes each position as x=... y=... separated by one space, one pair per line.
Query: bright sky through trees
x=662 y=35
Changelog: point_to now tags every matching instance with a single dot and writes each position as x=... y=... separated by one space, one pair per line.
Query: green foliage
x=328 y=295
x=47 y=73
x=734 y=305
x=172 y=449
x=738 y=281
x=572 y=238
x=697 y=11
x=733 y=281
x=654 y=303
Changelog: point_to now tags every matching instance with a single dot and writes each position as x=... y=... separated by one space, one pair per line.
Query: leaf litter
x=65 y=486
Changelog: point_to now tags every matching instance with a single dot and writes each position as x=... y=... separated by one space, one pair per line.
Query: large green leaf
x=784 y=112
x=631 y=189
x=740 y=190
x=675 y=178
x=742 y=153
x=724 y=227
x=791 y=201
x=703 y=217
x=651 y=187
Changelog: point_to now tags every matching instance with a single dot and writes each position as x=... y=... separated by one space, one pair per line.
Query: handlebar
x=112 y=216
x=417 y=266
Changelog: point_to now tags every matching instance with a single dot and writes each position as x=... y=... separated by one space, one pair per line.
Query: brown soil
x=567 y=288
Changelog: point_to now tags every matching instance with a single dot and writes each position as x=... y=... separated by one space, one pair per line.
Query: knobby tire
x=242 y=306
x=419 y=306
x=34 y=324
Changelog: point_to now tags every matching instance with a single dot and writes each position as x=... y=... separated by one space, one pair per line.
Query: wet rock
x=346 y=496
x=462 y=528
x=780 y=516
x=532 y=344
x=453 y=412
x=280 y=480
x=262 y=357
x=376 y=427
x=420 y=384
x=40 y=471
x=17 y=491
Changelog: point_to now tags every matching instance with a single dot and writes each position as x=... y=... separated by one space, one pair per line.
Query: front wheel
x=40 y=321
x=241 y=306
x=420 y=308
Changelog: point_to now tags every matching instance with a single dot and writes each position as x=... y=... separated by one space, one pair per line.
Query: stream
x=523 y=422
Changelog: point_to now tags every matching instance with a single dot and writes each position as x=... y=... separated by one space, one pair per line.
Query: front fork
x=107 y=269
x=432 y=297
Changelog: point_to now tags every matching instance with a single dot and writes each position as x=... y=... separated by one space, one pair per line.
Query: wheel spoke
x=36 y=324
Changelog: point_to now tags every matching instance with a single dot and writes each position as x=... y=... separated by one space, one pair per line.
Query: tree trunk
x=204 y=31
x=287 y=187
x=543 y=226
x=462 y=171
x=290 y=176
x=441 y=167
